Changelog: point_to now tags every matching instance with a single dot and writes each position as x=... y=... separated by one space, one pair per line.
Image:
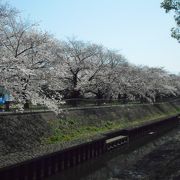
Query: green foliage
x=170 y=5
x=173 y=5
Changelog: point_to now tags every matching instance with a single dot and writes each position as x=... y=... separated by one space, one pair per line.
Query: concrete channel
x=51 y=164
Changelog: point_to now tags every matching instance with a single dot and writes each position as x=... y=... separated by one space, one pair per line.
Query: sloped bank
x=21 y=132
x=41 y=164
x=84 y=123
x=46 y=151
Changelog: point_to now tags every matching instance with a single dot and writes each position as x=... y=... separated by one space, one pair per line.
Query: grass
x=69 y=130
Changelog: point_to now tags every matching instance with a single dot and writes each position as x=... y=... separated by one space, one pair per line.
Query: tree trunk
x=27 y=105
x=7 y=103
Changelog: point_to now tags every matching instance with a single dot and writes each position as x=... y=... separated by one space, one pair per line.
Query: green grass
x=69 y=130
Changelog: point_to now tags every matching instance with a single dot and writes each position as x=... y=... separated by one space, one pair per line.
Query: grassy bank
x=24 y=132
x=29 y=135
x=84 y=124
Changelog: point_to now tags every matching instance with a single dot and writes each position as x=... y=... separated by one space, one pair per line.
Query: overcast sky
x=139 y=29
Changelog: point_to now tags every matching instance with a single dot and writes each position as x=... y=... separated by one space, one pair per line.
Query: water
x=112 y=165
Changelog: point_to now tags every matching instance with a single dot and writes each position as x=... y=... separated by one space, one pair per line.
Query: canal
x=153 y=157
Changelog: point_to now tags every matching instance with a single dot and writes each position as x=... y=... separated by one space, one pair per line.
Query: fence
x=78 y=102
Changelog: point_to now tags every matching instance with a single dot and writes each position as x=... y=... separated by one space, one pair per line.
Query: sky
x=139 y=29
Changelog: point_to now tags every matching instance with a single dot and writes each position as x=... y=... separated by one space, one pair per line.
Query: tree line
x=38 y=68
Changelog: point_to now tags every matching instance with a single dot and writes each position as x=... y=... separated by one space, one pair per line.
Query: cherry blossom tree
x=78 y=59
x=37 y=68
x=103 y=82
x=25 y=62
